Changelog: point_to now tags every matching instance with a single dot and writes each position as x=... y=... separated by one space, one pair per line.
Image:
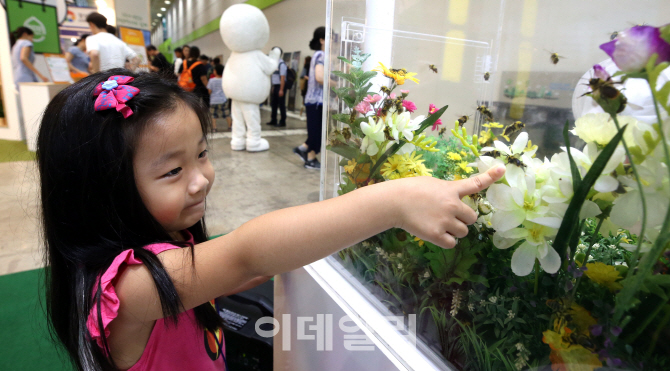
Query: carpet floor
x=12 y=150
x=25 y=343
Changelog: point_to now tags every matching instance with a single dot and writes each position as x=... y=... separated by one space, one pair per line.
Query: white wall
x=292 y=23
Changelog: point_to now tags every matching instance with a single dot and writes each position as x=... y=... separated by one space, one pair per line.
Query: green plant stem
x=650 y=317
x=661 y=326
x=661 y=132
x=636 y=254
x=588 y=251
x=537 y=275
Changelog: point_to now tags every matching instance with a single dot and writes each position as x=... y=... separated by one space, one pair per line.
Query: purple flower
x=632 y=49
x=608 y=343
x=600 y=73
x=616 y=330
x=512 y=288
x=569 y=286
x=596 y=330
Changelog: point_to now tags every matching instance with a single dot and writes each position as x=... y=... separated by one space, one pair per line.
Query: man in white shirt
x=106 y=50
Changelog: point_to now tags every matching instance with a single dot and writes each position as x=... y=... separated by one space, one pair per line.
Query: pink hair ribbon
x=114 y=94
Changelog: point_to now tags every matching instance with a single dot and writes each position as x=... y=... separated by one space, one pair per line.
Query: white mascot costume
x=246 y=79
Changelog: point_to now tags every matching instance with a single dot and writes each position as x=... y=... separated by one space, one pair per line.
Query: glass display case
x=503 y=68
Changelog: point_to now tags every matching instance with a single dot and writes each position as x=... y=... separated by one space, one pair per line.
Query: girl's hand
x=432 y=210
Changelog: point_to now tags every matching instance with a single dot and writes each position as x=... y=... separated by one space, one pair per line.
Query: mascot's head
x=244 y=28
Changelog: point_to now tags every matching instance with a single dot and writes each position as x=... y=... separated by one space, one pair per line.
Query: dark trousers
x=314 y=126
x=278 y=101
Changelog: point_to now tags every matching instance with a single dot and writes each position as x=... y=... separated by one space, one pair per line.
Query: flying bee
x=614 y=35
x=486 y=112
x=486 y=76
x=462 y=120
x=442 y=131
x=432 y=68
x=513 y=128
x=554 y=57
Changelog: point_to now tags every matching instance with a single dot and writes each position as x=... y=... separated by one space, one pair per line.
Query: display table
x=35 y=96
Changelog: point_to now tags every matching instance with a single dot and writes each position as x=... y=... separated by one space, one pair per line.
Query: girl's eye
x=203 y=154
x=173 y=172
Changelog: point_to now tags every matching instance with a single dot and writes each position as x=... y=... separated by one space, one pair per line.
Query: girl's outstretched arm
x=283 y=240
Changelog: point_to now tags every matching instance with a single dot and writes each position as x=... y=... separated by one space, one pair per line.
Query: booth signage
x=42 y=19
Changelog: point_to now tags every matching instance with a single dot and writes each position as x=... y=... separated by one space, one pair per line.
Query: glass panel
x=510 y=67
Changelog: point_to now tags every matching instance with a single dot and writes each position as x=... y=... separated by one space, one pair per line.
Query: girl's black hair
x=194 y=53
x=92 y=210
x=18 y=33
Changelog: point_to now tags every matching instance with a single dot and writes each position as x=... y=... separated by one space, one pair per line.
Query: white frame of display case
x=365 y=311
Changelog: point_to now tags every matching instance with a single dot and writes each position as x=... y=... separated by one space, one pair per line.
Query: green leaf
x=346 y=187
x=572 y=213
x=345 y=60
x=365 y=77
x=576 y=177
x=345 y=150
x=341 y=117
x=347 y=76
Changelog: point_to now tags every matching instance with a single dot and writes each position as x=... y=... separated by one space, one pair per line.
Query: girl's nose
x=198 y=184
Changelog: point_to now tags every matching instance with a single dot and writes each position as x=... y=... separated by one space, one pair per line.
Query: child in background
x=217 y=99
x=124 y=174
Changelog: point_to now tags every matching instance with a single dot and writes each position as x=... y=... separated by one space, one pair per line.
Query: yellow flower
x=486 y=137
x=398 y=75
x=493 y=125
x=565 y=356
x=394 y=164
x=603 y=274
x=412 y=160
x=351 y=165
x=464 y=154
x=464 y=166
x=421 y=242
x=530 y=147
x=454 y=156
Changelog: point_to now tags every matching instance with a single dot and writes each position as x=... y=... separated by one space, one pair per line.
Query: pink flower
x=633 y=47
x=363 y=107
x=436 y=124
x=432 y=109
x=392 y=96
x=372 y=98
x=411 y=107
x=404 y=91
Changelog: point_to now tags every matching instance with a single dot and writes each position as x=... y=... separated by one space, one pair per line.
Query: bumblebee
x=561 y=312
x=462 y=120
x=432 y=68
x=581 y=339
x=494 y=154
x=513 y=128
x=555 y=58
x=485 y=112
x=442 y=131
x=614 y=35
x=486 y=76
x=386 y=90
x=605 y=89
x=515 y=161
x=346 y=133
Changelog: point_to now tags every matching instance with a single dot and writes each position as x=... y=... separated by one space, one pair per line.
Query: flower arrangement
x=568 y=265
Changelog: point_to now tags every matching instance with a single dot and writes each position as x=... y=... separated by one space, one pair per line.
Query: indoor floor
x=247 y=185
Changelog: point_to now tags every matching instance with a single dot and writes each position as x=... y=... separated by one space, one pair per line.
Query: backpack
x=290 y=77
x=186 y=77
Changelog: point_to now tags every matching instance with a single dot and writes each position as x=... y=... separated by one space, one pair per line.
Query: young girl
x=124 y=173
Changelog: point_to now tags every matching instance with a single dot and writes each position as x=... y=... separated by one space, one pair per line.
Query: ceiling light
x=160 y=15
x=167 y=2
x=163 y=9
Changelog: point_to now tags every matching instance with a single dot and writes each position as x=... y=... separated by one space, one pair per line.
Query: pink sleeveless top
x=181 y=347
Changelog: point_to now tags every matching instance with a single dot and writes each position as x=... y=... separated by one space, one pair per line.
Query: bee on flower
x=398 y=75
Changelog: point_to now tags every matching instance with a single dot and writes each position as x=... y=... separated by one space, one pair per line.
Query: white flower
x=517 y=148
x=519 y=347
x=510 y=314
x=518 y=201
x=426 y=274
x=612 y=247
x=482 y=302
x=595 y=127
x=374 y=132
x=493 y=299
x=471 y=307
x=402 y=124
x=596 y=245
x=399 y=255
x=534 y=247
x=471 y=292
x=399 y=266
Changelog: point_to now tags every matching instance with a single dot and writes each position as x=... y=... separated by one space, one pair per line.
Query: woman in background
x=304 y=78
x=76 y=57
x=23 y=57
